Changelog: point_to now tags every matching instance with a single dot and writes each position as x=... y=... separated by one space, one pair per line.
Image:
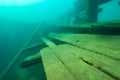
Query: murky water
x=24 y=22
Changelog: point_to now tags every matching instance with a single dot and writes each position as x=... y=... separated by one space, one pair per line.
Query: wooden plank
x=48 y=42
x=32 y=46
x=108 y=40
x=107 y=24
x=101 y=44
x=102 y=50
x=105 y=64
x=80 y=69
x=54 y=68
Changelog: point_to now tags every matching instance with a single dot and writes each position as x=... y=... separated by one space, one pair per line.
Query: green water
x=20 y=19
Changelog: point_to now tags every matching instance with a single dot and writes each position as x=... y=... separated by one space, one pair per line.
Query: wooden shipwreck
x=78 y=52
x=82 y=52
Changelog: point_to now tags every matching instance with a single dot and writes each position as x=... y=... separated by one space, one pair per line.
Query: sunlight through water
x=18 y=2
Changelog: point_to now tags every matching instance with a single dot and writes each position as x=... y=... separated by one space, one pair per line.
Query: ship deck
x=82 y=57
x=82 y=52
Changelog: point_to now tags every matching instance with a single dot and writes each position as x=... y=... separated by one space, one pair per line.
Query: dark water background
x=12 y=37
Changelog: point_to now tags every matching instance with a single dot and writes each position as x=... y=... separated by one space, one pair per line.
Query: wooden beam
x=103 y=1
x=92 y=11
x=110 y=28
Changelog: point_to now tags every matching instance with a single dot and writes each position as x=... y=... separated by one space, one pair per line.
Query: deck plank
x=100 y=44
x=112 y=41
x=55 y=70
x=103 y=63
x=80 y=69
